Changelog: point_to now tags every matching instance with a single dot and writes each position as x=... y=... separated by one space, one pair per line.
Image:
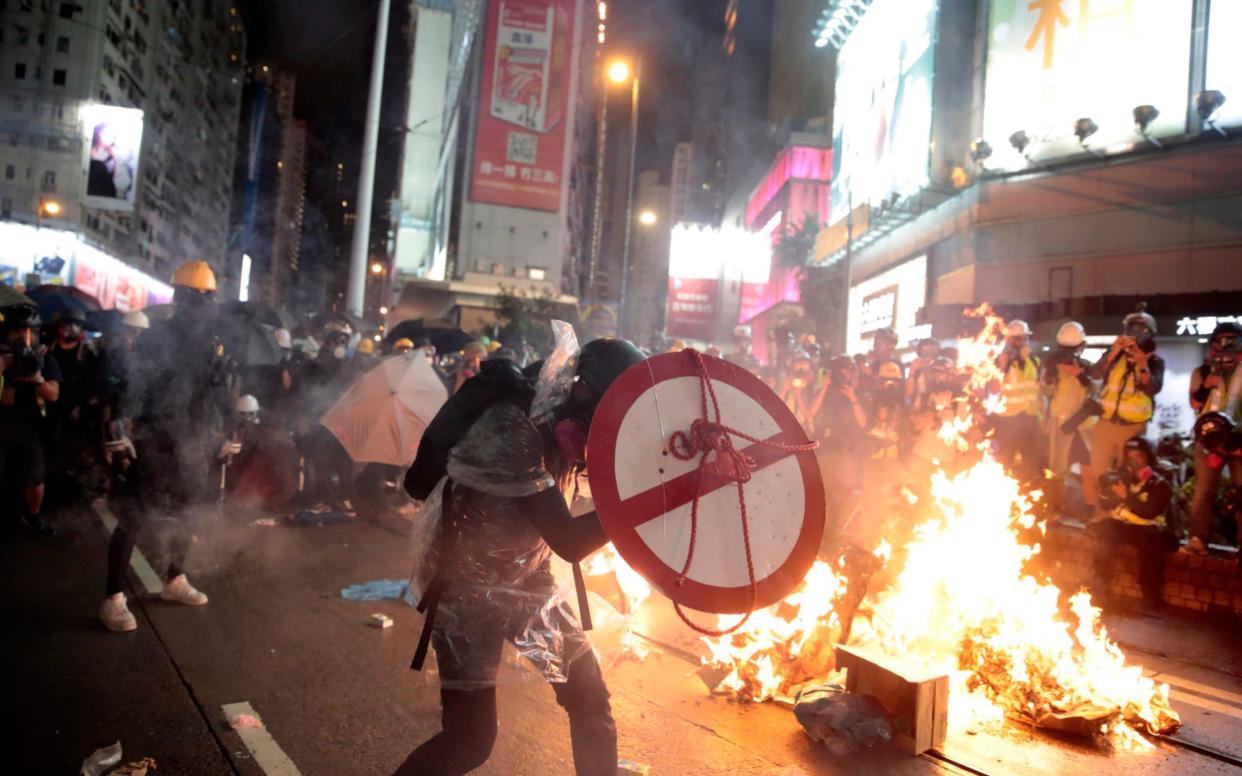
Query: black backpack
x=497 y=381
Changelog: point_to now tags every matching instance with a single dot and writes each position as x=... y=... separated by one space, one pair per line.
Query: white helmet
x=741 y=331
x=1017 y=329
x=1071 y=335
x=136 y=320
x=283 y=339
x=247 y=408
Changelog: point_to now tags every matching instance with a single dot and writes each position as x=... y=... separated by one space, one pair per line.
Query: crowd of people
x=1078 y=430
x=161 y=418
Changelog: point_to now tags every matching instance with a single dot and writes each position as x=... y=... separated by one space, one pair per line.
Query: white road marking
x=138 y=562
x=1218 y=693
x=266 y=752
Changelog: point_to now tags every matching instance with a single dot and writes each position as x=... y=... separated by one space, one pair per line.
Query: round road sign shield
x=644 y=494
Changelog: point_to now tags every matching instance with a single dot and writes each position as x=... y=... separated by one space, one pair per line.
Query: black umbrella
x=446 y=337
x=53 y=300
x=257 y=311
x=249 y=342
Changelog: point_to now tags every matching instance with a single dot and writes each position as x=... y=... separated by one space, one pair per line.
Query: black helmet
x=1212 y=430
x=19 y=316
x=603 y=360
x=1224 y=330
x=69 y=315
x=1143 y=446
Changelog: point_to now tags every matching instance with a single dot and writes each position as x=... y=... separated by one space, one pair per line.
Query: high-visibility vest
x=1020 y=387
x=1227 y=397
x=1122 y=397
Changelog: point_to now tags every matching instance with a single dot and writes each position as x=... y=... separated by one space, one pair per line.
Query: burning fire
x=961 y=601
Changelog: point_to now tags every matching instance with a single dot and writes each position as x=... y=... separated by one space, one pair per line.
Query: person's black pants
x=155 y=490
x=1151 y=543
x=469 y=727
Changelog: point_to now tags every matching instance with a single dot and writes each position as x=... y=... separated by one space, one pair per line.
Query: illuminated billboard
x=889 y=300
x=520 y=142
x=1224 y=59
x=882 y=116
x=113 y=141
x=1053 y=62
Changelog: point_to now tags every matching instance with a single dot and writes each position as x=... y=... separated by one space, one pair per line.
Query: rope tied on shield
x=705 y=437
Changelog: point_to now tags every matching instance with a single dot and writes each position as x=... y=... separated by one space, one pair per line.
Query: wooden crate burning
x=918 y=703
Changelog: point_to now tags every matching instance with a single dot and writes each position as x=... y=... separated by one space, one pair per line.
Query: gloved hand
x=229 y=448
x=123 y=448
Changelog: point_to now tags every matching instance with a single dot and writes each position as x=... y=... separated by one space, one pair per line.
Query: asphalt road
x=336 y=696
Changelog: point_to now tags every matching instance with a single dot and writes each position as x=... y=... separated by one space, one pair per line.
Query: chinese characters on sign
x=878 y=311
x=520 y=140
x=1203 y=325
x=691 y=308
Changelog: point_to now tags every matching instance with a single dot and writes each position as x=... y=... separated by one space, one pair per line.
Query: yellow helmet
x=195 y=274
x=404 y=342
x=366 y=345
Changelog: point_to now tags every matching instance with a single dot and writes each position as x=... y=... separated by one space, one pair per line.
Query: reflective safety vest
x=1020 y=387
x=1227 y=397
x=1122 y=397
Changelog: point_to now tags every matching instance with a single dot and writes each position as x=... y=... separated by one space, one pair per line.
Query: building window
x=6 y=208
x=49 y=180
x=66 y=10
x=10 y=172
x=19 y=70
x=58 y=77
x=23 y=36
x=536 y=273
x=27 y=5
x=62 y=44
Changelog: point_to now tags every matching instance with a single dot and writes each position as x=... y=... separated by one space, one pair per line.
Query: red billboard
x=519 y=146
x=691 y=310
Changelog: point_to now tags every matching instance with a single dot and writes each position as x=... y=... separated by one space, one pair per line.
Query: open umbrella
x=381 y=418
x=258 y=311
x=52 y=300
x=444 y=335
x=248 y=341
x=11 y=297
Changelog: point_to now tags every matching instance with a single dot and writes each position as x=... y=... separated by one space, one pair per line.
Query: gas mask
x=1136 y=468
x=247 y=418
x=69 y=334
x=1139 y=333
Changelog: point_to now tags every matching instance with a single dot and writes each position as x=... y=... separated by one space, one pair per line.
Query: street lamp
x=377 y=268
x=647 y=218
x=49 y=207
x=618 y=72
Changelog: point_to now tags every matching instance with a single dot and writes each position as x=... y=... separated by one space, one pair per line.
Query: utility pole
x=355 y=297
x=629 y=200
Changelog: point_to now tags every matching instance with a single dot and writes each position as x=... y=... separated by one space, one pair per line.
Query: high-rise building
x=507 y=201
x=159 y=183
x=270 y=193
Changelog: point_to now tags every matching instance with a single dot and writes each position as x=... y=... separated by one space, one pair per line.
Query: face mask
x=338 y=351
x=571 y=440
x=70 y=335
x=1138 y=333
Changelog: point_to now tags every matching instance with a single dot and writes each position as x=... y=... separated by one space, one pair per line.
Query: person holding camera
x=31 y=382
x=1017 y=423
x=1067 y=385
x=1215 y=387
x=1132 y=375
x=1137 y=500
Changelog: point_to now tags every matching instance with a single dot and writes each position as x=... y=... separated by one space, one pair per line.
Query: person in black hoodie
x=486 y=577
x=1138 y=500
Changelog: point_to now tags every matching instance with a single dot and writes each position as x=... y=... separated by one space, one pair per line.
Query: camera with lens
x=1091 y=408
x=27 y=362
x=1108 y=498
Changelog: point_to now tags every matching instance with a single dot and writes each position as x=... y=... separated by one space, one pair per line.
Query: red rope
x=712 y=436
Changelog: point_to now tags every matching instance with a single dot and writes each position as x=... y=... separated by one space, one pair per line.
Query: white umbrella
x=382 y=416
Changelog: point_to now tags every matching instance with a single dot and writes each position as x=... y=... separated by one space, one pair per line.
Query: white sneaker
x=116 y=615
x=179 y=590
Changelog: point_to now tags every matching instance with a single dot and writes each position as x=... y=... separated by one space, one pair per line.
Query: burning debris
x=957 y=598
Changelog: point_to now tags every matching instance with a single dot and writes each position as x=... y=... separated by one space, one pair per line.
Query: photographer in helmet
x=1132 y=375
x=31 y=382
x=1017 y=423
x=1137 y=500
x=1215 y=388
x=1067 y=384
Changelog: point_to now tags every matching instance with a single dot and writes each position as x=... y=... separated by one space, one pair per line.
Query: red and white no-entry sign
x=644 y=494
